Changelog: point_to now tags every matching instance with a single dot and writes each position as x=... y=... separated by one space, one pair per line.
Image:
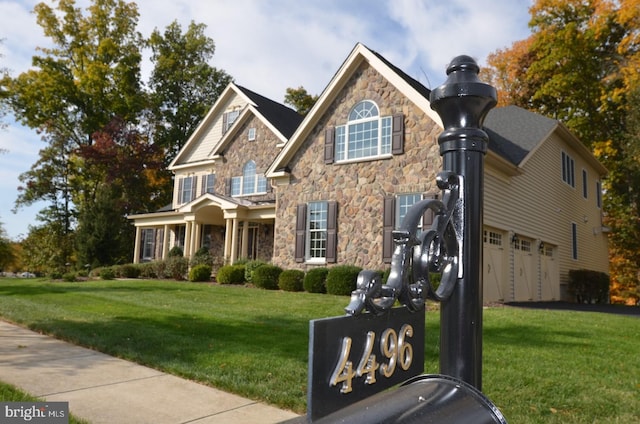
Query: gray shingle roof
x=285 y=119
x=514 y=131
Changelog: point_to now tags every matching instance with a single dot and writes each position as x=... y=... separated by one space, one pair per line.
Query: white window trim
x=379 y=118
x=308 y=258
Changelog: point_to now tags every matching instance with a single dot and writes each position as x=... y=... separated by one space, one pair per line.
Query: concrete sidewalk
x=104 y=389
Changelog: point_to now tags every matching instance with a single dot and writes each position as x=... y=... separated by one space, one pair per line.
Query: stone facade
x=239 y=150
x=359 y=188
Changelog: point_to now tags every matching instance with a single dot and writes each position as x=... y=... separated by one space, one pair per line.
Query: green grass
x=9 y=393
x=539 y=366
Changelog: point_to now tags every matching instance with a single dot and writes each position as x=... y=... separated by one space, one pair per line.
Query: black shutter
x=388 y=225
x=194 y=184
x=224 y=122
x=397 y=134
x=329 y=144
x=332 y=233
x=428 y=216
x=180 y=183
x=227 y=188
x=301 y=232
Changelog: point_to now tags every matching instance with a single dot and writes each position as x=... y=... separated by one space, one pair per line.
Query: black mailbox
x=421 y=400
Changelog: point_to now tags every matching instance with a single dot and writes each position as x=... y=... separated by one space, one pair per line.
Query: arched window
x=249 y=178
x=250 y=182
x=365 y=134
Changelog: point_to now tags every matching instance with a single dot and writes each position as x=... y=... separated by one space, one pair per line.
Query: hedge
x=266 y=276
x=291 y=280
x=341 y=279
x=315 y=280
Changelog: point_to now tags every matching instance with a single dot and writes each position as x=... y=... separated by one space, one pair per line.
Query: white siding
x=540 y=206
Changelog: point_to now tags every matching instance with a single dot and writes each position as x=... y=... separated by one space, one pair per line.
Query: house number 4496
x=395 y=348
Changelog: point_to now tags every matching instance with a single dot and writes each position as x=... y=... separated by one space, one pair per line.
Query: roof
x=514 y=132
x=283 y=118
x=279 y=118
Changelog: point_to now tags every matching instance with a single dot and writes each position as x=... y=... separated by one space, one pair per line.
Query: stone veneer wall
x=240 y=150
x=359 y=188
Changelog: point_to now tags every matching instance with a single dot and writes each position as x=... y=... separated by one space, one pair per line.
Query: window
x=568 y=170
x=249 y=183
x=403 y=204
x=394 y=210
x=365 y=135
x=186 y=189
x=228 y=118
x=493 y=238
x=148 y=243
x=574 y=240
x=251 y=134
x=585 y=188
x=599 y=194
x=316 y=232
x=208 y=183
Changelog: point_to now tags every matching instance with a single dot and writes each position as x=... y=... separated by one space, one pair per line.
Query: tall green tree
x=87 y=81
x=300 y=99
x=7 y=255
x=183 y=83
x=575 y=67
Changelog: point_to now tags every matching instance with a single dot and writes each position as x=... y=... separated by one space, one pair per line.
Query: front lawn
x=539 y=366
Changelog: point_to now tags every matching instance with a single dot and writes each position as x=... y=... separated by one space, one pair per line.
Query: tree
x=183 y=83
x=300 y=100
x=102 y=130
x=7 y=254
x=578 y=67
x=129 y=176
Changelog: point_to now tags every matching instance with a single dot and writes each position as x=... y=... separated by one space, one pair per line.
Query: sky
x=270 y=45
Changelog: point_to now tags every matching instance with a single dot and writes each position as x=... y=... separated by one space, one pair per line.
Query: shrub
x=107 y=274
x=266 y=276
x=56 y=275
x=200 y=272
x=128 y=271
x=176 y=267
x=315 y=280
x=291 y=280
x=341 y=279
x=230 y=274
x=589 y=286
x=250 y=267
x=148 y=270
x=202 y=257
x=176 y=251
x=160 y=268
x=69 y=277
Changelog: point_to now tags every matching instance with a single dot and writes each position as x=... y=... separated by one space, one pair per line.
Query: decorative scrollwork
x=418 y=255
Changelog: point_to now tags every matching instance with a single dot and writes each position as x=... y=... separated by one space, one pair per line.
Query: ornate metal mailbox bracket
x=417 y=255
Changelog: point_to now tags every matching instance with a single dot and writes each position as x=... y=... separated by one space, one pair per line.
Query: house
x=221 y=198
x=337 y=184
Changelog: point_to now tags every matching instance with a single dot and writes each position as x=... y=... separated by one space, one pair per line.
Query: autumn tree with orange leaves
x=580 y=66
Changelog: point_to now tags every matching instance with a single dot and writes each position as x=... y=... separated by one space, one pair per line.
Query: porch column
x=187 y=239
x=165 y=242
x=136 y=247
x=197 y=239
x=234 y=241
x=227 y=239
x=244 y=248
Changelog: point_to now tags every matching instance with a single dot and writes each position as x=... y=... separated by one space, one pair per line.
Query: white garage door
x=525 y=276
x=494 y=275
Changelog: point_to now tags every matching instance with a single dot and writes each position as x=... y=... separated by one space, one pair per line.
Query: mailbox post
x=462 y=103
x=452 y=247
